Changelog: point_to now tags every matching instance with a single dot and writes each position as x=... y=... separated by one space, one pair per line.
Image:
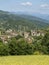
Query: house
x=4 y=38
x=29 y=39
x=9 y=31
x=26 y=34
x=36 y=33
x=33 y=33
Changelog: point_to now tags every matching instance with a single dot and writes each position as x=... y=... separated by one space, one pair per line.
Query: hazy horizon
x=30 y=6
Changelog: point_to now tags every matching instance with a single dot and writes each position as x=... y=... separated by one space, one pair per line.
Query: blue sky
x=38 y=6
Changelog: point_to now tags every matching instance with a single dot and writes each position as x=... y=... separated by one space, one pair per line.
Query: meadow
x=25 y=60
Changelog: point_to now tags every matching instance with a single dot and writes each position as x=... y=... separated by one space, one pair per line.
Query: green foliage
x=4 y=50
x=18 y=37
x=37 y=53
x=20 y=48
x=14 y=21
x=45 y=43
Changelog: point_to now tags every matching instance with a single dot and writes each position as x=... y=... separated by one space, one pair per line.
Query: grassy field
x=24 y=60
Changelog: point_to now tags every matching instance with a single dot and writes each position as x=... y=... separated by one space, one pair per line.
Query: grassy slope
x=24 y=60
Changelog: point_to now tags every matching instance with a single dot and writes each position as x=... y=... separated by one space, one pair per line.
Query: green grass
x=25 y=60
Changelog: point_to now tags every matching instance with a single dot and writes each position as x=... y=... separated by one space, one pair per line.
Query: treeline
x=21 y=47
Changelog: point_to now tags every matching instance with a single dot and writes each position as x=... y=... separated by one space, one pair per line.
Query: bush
x=4 y=50
x=45 y=43
x=20 y=48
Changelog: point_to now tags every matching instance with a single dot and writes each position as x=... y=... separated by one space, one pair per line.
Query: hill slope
x=8 y=20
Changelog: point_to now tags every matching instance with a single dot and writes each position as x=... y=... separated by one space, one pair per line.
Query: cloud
x=44 y=5
x=26 y=4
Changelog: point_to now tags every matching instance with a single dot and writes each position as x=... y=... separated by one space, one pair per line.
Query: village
x=28 y=35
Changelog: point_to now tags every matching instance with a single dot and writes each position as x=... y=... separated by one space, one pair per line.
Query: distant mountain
x=21 y=21
x=39 y=15
x=43 y=16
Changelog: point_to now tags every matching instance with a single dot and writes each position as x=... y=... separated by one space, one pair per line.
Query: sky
x=32 y=6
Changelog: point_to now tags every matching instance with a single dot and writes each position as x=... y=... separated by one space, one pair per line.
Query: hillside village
x=28 y=35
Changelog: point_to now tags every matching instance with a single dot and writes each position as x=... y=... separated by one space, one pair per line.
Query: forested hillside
x=15 y=21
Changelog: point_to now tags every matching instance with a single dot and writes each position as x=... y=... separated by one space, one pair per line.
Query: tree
x=45 y=43
x=20 y=48
x=4 y=50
